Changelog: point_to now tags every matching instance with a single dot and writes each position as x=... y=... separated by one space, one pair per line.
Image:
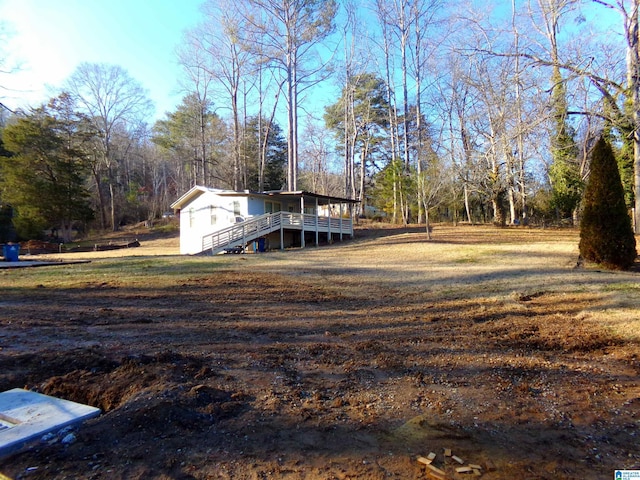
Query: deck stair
x=240 y=234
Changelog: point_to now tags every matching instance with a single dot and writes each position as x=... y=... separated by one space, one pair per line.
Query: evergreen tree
x=624 y=157
x=359 y=119
x=195 y=135
x=606 y=236
x=7 y=230
x=394 y=187
x=45 y=179
x=564 y=173
x=275 y=155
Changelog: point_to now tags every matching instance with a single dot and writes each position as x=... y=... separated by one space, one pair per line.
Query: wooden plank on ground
x=435 y=469
x=464 y=470
x=435 y=472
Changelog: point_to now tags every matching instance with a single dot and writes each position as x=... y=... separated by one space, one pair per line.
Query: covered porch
x=293 y=219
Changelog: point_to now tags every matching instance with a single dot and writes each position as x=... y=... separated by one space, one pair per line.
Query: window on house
x=272 y=207
x=213 y=213
x=236 y=207
x=192 y=217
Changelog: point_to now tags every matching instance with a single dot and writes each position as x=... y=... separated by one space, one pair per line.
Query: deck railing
x=253 y=228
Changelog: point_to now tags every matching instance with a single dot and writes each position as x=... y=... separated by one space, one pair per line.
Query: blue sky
x=49 y=38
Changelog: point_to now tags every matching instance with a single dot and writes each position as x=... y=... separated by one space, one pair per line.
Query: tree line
x=461 y=111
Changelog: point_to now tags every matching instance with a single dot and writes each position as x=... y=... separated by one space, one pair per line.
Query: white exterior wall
x=196 y=219
x=196 y=214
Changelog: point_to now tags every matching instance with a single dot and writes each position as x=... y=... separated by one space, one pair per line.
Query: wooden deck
x=263 y=225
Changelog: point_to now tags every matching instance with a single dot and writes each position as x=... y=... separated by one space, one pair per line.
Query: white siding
x=196 y=218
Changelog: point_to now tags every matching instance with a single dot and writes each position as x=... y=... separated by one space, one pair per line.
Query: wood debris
x=471 y=469
x=464 y=470
x=491 y=467
x=435 y=472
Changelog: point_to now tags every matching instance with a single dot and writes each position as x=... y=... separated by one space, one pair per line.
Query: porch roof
x=197 y=190
x=309 y=196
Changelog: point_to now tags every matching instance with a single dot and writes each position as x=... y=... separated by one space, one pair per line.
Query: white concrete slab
x=26 y=415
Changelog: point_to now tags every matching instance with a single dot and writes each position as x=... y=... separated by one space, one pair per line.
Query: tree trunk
x=426 y=220
x=466 y=203
x=114 y=226
x=291 y=130
x=633 y=82
x=203 y=143
x=101 y=202
x=236 y=138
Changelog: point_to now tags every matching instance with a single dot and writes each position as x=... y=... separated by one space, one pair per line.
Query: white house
x=214 y=220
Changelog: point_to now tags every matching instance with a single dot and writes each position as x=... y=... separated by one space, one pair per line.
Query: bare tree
x=112 y=99
x=350 y=35
x=383 y=14
x=629 y=11
x=423 y=17
x=215 y=50
x=285 y=33
x=7 y=67
x=316 y=154
x=455 y=99
x=621 y=97
x=195 y=60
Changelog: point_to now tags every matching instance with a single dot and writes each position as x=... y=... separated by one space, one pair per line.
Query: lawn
x=345 y=361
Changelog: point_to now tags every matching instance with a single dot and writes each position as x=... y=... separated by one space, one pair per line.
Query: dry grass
x=344 y=361
x=457 y=261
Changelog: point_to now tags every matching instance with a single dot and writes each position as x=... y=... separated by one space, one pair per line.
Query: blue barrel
x=261 y=244
x=11 y=252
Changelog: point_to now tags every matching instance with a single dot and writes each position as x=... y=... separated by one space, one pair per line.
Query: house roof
x=193 y=193
x=309 y=195
x=196 y=191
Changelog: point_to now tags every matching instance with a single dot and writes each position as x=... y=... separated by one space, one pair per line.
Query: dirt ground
x=340 y=362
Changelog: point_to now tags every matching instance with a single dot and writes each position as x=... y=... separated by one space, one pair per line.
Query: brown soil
x=292 y=366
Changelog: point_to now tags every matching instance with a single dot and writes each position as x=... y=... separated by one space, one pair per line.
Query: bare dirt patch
x=338 y=362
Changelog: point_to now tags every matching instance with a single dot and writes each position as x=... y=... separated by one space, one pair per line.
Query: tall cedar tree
x=606 y=236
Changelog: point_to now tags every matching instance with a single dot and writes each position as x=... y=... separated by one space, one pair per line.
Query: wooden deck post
x=317 y=223
x=329 y=237
x=281 y=232
x=302 y=217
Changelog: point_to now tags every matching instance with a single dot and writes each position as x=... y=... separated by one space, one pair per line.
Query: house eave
x=198 y=190
x=193 y=193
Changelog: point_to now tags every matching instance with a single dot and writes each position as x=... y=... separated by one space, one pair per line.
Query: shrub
x=606 y=236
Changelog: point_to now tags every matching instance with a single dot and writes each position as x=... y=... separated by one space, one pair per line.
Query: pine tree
x=606 y=236
x=44 y=180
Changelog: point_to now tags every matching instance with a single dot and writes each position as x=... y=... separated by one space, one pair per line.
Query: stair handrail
x=242 y=232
